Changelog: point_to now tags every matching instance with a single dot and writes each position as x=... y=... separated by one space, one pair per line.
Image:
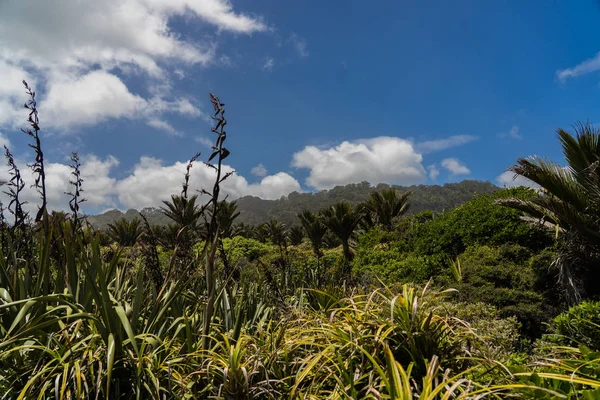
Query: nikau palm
x=183 y=211
x=315 y=230
x=126 y=233
x=569 y=200
x=387 y=205
x=295 y=234
x=342 y=220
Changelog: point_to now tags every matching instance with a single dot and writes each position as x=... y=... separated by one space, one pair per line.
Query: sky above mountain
x=317 y=93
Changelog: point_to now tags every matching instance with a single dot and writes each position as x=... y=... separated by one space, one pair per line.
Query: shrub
x=495 y=336
x=501 y=276
x=578 y=326
x=478 y=222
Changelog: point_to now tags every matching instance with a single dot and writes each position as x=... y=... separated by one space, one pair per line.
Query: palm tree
x=570 y=201
x=183 y=211
x=315 y=230
x=261 y=233
x=342 y=220
x=126 y=233
x=386 y=206
x=276 y=232
x=330 y=241
x=295 y=234
x=226 y=214
x=245 y=230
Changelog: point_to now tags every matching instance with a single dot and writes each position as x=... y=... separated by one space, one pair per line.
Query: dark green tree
x=315 y=230
x=126 y=233
x=227 y=212
x=570 y=201
x=276 y=232
x=295 y=234
x=342 y=220
x=183 y=211
x=386 y=206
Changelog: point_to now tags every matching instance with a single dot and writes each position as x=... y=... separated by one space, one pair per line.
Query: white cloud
x=381 y=159
x=455 y=166
x=586 y=67
x=259 y=170
x=150 y=182
x=431 y=146
x=434 y=172
x=300 y=45
x=3 y=142
x=146 y=185
x=269 y=64
x=61 y=47
x=509 y=179
x=98 y=186
x=89 y=99
x=204 y=141
x=513 y=133
x=273 y=186
x=163 y=126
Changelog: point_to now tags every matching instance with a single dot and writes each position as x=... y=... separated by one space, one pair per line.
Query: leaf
x=110 y=353
x=212 y=156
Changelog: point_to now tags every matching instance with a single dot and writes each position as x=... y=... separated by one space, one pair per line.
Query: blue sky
x=317 y=93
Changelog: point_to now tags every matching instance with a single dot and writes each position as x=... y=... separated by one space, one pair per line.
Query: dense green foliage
x=354 y=300
x=570 y=202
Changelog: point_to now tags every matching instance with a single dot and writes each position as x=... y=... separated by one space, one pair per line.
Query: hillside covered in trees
x=255 y=211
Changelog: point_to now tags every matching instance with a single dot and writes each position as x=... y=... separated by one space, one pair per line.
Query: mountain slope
x=254 y=210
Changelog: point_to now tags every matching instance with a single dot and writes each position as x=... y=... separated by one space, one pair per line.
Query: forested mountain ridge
x=254 y=210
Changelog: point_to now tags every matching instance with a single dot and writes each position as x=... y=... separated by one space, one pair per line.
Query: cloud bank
x=80 y=51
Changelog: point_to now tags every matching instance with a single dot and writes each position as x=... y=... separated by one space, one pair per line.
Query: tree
x=245 y=230
x=227 y=213
x=295 y=234
x=276 y=232
x=126 y=233
x=342 y=220
x=386 y=206
x=569 y=200
x=315 y=230
x=183 y=211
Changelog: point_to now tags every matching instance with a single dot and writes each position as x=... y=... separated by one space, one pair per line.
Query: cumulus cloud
x=583 y=68
x=509 y=179
x=89 y=99
x=431 y=146
x=382 y=159
x=455 y=166
x=151 y=182
x=259 y=170
x=434 y=172
x=98 y=185
x=146 y=185
x=76 y=51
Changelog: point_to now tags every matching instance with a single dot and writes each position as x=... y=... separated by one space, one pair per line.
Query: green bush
x=578 y=326
x=240 y=247
x=381 y=256
x=477 y=222
x=501 y=276
x=495 y=337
